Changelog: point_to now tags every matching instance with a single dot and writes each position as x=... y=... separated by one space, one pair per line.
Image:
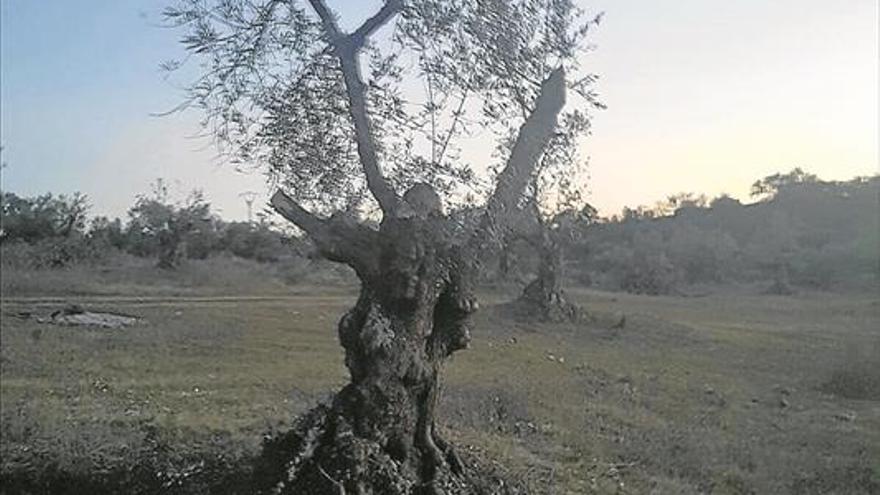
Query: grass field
x=727 y=394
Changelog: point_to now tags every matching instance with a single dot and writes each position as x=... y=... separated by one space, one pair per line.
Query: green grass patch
x=696 y=395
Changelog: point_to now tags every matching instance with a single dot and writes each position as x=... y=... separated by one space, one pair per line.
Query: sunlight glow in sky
x=703 y=95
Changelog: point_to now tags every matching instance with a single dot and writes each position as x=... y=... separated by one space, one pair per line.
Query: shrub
x=58 y=252
x=651 y=274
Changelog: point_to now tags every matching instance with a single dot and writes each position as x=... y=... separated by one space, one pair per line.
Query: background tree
x=549 y=235
x=42 y=217
x=162 y=228
x=108 y=233
x=252 y=240
x=550 y=217
x=775 y=249
x=283 y=85
x=807 y=233
x=768 y=187
x=53 y=225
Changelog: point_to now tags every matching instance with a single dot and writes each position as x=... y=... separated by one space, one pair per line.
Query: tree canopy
x=334 y=115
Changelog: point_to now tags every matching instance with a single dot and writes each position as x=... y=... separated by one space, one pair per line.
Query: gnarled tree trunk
x=379 y=434
x=544 y=297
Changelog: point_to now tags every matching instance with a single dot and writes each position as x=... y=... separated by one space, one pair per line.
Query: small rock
x=783 y=402
x=708 y=390
x=561 y=359
x=512 y=340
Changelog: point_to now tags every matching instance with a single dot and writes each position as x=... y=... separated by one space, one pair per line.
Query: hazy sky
x=703 y=95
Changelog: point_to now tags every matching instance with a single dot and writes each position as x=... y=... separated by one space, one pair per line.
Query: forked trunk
x=379 y=437
x=379 y=434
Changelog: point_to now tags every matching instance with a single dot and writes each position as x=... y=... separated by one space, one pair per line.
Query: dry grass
x=857 y=376
x=126 y=275
x=720 y=394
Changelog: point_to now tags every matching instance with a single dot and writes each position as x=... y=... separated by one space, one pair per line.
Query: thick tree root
x=323 y=456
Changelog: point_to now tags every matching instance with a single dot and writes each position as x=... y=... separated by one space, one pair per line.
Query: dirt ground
x=726 y=394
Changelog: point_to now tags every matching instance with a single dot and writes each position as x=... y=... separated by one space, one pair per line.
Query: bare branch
x=531 y=140
x=338 y=238
x=296 y=214
x=456 y=117
x=346 y=49
x=327 y=19
x=360 y=35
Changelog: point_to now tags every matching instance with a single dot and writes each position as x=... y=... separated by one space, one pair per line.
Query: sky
x=703 y=96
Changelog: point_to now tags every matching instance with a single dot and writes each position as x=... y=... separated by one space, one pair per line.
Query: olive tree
x=552 y=217
x=158 y=226
x=361 y=133
x=42 y=217
x=548 y=234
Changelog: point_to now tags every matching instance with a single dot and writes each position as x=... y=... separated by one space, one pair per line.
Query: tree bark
x=379 y=434
x=407 y=321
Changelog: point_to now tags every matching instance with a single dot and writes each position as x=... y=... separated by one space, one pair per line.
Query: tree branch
x=530 y=142
x=456 y=117
x=327 y=19
x=346 y=48
x=337 y=238
x=389 y=10
x=296 y=214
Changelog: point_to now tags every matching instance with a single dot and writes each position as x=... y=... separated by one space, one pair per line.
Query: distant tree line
x=801 y=232
x=55 y=231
